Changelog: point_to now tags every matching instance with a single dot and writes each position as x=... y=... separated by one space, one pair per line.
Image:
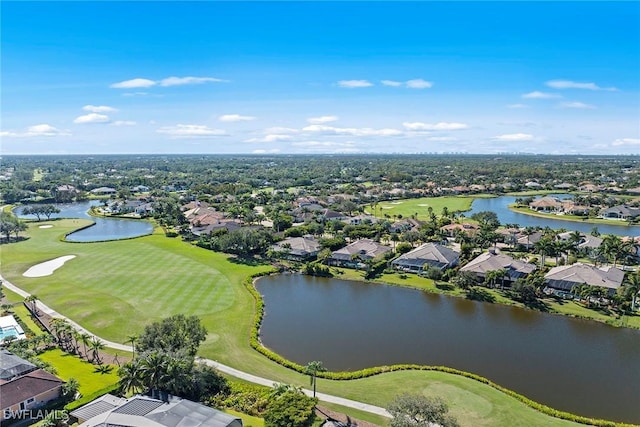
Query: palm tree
x=85 y=339
x=96 y=345
x=32 y=300
x=153 y=368
x=132 y=339
x=632 y=285
x=130 y=378
x=312 y=370
x=545 y=247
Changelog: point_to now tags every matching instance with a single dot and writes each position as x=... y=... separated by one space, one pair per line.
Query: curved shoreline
x=571 y=218
x=257 y=345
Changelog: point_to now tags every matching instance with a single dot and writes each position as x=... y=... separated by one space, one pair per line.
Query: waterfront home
x=565 y=277
x=298 y=248
x=428 y=255
x=355 y=254
x=23 y=386
x=492 y=261
x=465 y=228
x=623 y=212
x=143 y=411
x=546 y=204
x=104 y=191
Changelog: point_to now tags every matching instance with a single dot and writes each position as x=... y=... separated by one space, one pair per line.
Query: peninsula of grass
x=116 y=288
x=405 y=208
x=573 y=218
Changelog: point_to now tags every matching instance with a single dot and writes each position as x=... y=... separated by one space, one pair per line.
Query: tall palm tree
x=632 y=285
x=85 y=339
x=133 y=339
x=312 y=370
x=153 y=368
x=544 y=247
x=96 y=345
x=32 y=299
x=130 y=378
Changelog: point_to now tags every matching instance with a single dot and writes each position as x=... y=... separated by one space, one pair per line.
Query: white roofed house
x=565 y=277
x=298 y=248
x=428 y=255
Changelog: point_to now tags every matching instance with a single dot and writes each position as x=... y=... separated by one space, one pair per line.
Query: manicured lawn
x=71 y=366
x=408 y=207
x=247 y=420
x=115 y=288
x=574 y=218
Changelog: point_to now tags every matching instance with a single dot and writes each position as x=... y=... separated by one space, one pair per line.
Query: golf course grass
x=115 y=288
x=408 y=207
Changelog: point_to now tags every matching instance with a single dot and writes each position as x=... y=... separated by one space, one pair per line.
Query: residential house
x=361 y=219
x=23 y=386
x=546 y=204
x=428 y=255
x=143 y=411
x=492 y=261
x=298 y=248
x=355 y=254
x=405 y=225
x=9 y=327
x=104 y=191
x=623 y=212
x=565 y=277
x=466 y=228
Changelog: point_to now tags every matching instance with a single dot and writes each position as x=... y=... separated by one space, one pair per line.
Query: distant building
x=104 y=191
x=142 y=411
x=425 y=256
x=298 y=248
x=623 y=212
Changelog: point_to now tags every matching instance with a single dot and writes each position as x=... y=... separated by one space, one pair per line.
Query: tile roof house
x=23 y=386
x=354 y=254
x=565 y=277
x=142 y=411
x=427 y=255
x=620 y=212
x=491 y=261
x=298 y=247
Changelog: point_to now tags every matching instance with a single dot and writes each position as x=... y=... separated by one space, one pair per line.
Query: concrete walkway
x=219 y=366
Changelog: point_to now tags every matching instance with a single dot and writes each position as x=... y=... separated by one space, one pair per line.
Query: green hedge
x=368 y=372
x=90 y=397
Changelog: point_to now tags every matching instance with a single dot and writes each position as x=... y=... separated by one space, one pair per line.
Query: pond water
x=499 y=205
x=578 y=366
x=105 y=228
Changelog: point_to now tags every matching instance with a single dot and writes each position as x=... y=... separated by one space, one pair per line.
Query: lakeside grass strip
x=257 y=345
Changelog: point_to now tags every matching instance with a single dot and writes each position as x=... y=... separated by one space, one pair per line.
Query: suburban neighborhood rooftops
x=428 y=253
x=578 y=273
x=490 y=261
x=26 y=386
x=364 y=248
x=12 y=366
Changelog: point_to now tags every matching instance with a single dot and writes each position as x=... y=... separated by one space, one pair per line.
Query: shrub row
x=368 y=372
x=90 y=397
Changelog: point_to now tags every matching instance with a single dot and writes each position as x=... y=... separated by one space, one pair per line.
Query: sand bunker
x=47 y=268
x=423 y=204
x=396 y=203
x=46 y=226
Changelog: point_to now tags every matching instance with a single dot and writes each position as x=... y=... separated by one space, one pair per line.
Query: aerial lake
x=583 y=367
x=105 y=228
x=499 y=205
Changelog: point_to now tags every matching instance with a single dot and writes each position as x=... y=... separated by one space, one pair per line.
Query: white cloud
x=517 y=106
x=133 y=83
x=180 y=81
x=418 y=84
x=540 y=95
x=442 y=138
x=271 y=138
x=262 y=151
x=392 y=83
x=514 y=137
x=279 y=129
x=135 y=94
x=92 y=118
x=434 y=126
x=322 y=119
x=568 y=84
x=168 y=81
x=411 y=84
x=123 y=123
x=35 y=131
x=351 y=84
x=330 y=130
x=99 y=109
x=578 y=105
x=190 y=131
x=235 y=118
x=626 y=141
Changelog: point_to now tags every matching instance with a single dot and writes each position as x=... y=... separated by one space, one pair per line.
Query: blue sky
x=320 y=77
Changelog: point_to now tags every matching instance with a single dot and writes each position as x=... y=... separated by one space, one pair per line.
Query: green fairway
x=70 y=366
x=420 y=207
x=115 y=288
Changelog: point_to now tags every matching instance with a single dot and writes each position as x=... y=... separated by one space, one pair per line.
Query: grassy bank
x=134 y=282
x=572 y=218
